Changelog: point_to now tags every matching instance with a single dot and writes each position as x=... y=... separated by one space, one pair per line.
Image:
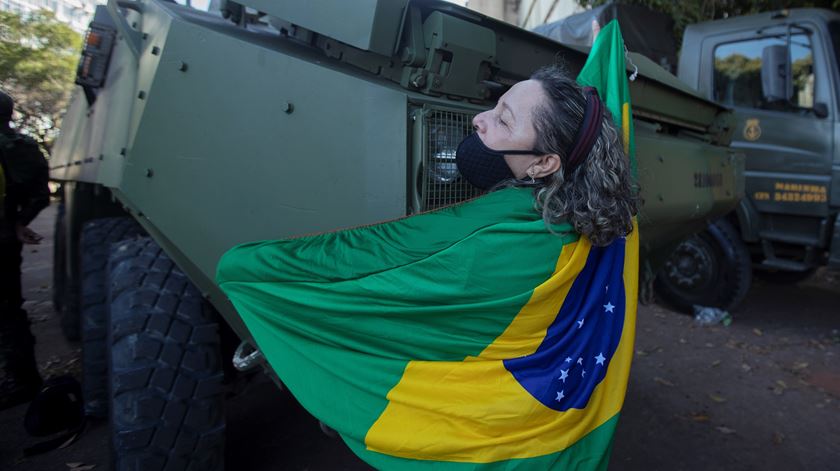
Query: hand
x=27 y=236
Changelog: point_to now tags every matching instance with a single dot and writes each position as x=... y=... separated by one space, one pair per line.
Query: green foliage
x=38 y=57
x=694 y=11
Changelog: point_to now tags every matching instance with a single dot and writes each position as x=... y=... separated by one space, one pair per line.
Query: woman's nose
x=479 y=122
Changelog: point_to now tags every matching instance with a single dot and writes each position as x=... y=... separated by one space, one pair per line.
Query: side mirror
x=820 y=110
x=775 y=74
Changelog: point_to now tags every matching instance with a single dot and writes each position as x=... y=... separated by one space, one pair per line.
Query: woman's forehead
x=523 y=97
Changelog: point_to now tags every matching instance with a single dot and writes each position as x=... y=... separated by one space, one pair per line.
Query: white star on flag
x=608 y=307
x=563 y=375
x=583 y=373
x=560 y=395
x=599 y=360
x=580 y=361
x=580 y=323
x=568 y=359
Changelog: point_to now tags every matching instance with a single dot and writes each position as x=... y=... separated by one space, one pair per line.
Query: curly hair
x=597 y=197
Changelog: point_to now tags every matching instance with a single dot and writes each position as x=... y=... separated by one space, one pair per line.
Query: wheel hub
x=691 y=265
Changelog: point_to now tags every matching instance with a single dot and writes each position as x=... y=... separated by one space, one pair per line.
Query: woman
x=539 y=122
x=483 y=333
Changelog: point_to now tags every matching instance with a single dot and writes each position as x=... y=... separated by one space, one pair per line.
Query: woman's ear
x=544 y=166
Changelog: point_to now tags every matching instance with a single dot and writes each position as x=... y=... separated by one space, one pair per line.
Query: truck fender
x=834 y=250
x=748 y=220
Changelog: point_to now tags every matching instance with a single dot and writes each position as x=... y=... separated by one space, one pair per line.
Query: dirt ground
x=762 y=393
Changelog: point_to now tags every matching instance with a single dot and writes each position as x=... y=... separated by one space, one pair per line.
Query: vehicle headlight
x=443 y=167
x=439 y=132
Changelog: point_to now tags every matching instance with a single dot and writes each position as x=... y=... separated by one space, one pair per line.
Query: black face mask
x=482 y=166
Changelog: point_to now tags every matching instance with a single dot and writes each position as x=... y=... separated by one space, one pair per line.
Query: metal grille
x=440 y=183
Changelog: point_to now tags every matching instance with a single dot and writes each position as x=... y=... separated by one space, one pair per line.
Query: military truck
x=779 y=72
x=192 y=131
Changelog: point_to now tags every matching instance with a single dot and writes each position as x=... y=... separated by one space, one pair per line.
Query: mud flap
x=834 y=251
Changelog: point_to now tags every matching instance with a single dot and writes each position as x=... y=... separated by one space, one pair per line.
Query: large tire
x=712 y=268
x=94 y=250
x=165 y=368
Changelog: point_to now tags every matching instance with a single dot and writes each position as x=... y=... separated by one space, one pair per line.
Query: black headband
x=587 y=134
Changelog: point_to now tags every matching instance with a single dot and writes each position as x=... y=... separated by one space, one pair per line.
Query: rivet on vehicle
x=122 y=152
x=183 y=67
x=660 y=197
x=155 y=50
x=145 y=35
x=150 y=173
x=141 y=95
x=288 y=107
x=660 y=158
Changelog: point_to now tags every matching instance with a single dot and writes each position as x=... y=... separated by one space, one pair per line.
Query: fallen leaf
x=758 y=332
x=73 y=465
x=717 y=398
x=663 y=381
x=725 y=430
x=699 y=417
x=781 y=384
x=801 y=365
x=716 y=363
x=682 y=341
x=710 y=345
x=746 y=367
x=641 y=353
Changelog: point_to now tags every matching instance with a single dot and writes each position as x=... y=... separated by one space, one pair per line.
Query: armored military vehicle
x=194 y=131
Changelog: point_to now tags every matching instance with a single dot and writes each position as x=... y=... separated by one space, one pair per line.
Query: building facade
x=526 y=14
x=76 y=13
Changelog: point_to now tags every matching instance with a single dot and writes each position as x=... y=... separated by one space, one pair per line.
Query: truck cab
x=779 y=73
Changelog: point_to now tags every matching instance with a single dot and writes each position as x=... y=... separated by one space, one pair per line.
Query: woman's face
x=510 y=125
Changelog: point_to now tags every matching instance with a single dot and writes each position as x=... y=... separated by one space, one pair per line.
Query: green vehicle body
x=789 y=218
x=211 y=132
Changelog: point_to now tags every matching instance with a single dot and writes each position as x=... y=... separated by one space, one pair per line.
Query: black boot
x=20 y=380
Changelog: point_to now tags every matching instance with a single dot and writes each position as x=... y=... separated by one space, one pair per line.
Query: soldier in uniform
x=24 y=178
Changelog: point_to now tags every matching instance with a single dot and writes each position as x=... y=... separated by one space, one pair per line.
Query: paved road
x=763 y=393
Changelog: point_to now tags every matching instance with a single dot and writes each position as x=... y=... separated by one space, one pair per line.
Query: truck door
x=788 y=142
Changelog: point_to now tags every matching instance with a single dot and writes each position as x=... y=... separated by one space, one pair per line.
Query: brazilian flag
x=470 y=337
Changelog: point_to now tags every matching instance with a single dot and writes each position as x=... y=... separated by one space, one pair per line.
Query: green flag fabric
x=605 y=70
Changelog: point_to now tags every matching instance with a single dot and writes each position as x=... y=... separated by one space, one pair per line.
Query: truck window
x=737 y=79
